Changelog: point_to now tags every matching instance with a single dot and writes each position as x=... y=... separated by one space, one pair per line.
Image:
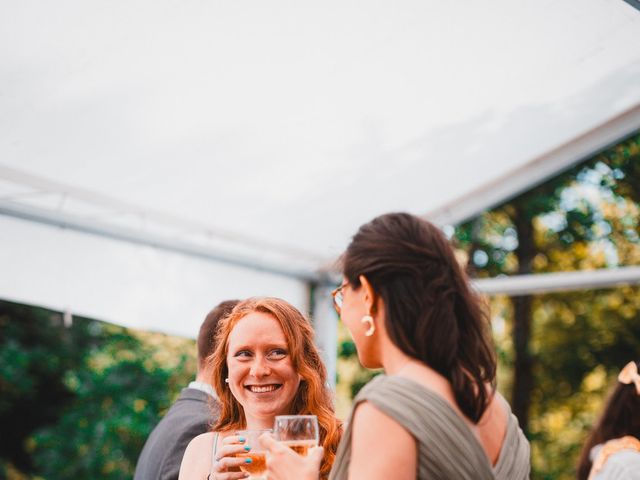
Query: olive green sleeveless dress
x=447 y=449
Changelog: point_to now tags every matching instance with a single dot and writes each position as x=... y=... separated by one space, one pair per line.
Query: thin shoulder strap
x=213 y=454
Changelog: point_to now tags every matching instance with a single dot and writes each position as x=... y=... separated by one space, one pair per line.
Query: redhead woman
x=265 y=364
x=435 y=413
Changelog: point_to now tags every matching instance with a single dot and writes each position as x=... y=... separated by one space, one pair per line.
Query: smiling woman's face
x=261 y=373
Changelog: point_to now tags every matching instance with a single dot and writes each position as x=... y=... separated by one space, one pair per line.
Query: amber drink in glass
x=298 y=432
x=257 y=469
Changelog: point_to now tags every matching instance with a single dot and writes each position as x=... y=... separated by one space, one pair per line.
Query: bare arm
x=380 y=447
x=196 y=462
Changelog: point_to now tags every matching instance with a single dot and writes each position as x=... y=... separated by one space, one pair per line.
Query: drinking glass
x=257 y=469
x=298 y=432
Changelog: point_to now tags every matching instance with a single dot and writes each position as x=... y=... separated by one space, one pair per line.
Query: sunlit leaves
x=585 y=219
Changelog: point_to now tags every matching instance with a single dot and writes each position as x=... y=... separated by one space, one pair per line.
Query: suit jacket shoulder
x=193 y=413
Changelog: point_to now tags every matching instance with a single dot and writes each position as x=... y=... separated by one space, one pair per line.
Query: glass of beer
x=257 y=468
x=298 y=432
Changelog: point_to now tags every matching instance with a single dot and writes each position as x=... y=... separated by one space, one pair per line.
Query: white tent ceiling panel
x=275 y=120
x=138 y=286
x=274 y=129
x=516 y=181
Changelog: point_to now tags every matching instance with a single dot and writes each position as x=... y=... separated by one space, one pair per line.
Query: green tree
x=552 y=220
x=583 y=219
x=79 y=401
x=118 y=398
x=36 y=351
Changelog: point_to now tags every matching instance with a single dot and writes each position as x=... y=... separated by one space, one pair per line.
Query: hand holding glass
x=257 y=468
x=298 y=432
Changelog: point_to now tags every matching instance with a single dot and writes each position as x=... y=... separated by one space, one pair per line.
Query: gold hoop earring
x=372 y=327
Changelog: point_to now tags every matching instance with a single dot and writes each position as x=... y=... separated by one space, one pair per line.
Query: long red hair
x=313 y=396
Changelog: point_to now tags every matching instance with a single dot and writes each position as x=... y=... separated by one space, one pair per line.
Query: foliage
x=36 y=350
x=581 y=221
x=580 y=341
x=113 y=385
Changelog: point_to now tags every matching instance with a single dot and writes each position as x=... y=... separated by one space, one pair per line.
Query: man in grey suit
x=193 y=413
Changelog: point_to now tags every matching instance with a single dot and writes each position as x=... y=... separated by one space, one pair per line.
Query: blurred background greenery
x=78 y=401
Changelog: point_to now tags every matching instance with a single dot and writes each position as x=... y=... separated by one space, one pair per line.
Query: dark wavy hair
x=432 y=314
x=621 y=417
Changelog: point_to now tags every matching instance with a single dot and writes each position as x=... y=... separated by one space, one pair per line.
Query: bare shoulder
x=491 y=430
x=381 y=448
x=498 y=411
x=204 y=440
x=197 y=458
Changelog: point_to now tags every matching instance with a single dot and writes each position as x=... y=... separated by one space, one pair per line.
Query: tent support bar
x=513 y=285
x=62 y=220
x=559 y=281
x=538 y=170
x=634 y=3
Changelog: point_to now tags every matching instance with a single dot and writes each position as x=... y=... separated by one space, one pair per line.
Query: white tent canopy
x=197 y=151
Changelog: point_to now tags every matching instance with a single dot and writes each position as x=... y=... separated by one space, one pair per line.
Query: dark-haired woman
x=435 y=413
x=613 y=447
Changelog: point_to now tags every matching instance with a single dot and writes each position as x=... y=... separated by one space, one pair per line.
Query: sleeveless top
x=446 y=447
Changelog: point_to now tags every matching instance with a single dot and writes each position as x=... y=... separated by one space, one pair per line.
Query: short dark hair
x=207 y=336
x=432 y=314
